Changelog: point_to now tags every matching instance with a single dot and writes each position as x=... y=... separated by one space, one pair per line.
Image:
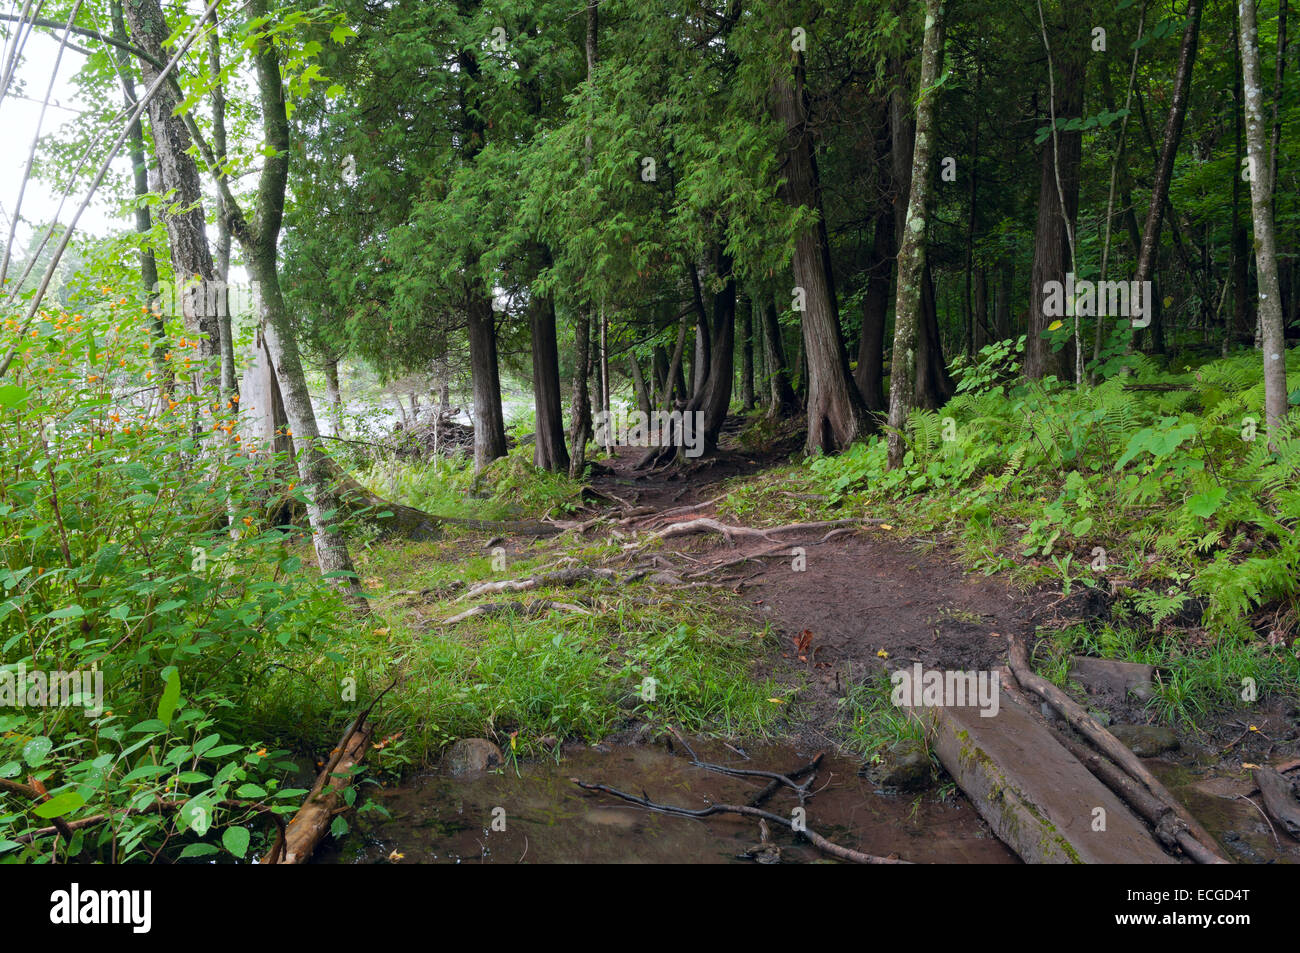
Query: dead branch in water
x=776 y=780
x=295 y=844
x=821 y=843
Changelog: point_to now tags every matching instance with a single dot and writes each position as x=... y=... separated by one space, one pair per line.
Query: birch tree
x=1261 y=206
x=912 y=251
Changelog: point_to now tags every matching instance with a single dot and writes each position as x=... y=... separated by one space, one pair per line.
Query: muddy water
x=548 y=819
x=1220 y=802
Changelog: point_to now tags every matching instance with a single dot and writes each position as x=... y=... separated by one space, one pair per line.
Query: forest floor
x=837 y=608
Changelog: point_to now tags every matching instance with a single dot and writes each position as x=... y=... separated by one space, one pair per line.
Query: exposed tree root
x=539 y=607
x=776 y=779
x=764 y=553
x=561 y=577
x=705 y=524
x=674 y=511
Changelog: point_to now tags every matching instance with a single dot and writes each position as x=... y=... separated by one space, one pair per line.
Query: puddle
x=1240 y=828
x=548 y=819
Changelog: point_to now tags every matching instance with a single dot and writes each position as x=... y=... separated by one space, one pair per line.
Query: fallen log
x=310 y=825
x=1168 y=827
x=1108 y=744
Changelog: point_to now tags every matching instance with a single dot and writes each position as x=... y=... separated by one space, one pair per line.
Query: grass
x=1198 y=676
x=873 y=723
x=1157 y=498
x=643 y=656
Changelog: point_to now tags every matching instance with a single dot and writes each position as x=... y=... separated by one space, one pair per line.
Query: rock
x=549 y=742
x=470 y=756
x=906 y=767
x=1146 y=741
x=1101 y=676
x=1102 y=717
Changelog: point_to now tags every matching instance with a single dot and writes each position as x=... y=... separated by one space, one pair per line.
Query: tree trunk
x=703 y=336
x=643 y=402
x=716 y=397
x=143 y=220
x=186 y=231
x=489 y=422
x=334 y=396
x=836 y=414
x=225 y=330
x=746 y=315
x=1002 y=310
x=580 y=401
x=259 y=240
x=549 y=451
x=1243 y=320
x=659 y=381
x=782 y=401
x=912 y=254
x=1270 y=296
x=1058 y=184
x=869 y=375
x=1169 y=146
x=933 y=386
x=981 y=307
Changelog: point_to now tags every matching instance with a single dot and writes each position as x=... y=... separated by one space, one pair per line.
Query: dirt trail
x=872 y=602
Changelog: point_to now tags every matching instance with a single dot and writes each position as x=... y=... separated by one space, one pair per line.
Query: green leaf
x=37 y=750
x=200 y=850
x=59 y=805
x=170 y=697
x=11 y=395
x=1205 y=504
x=235 y=840
x=250 y=790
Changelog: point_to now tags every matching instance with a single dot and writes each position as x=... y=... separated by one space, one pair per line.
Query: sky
x=19 y=118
